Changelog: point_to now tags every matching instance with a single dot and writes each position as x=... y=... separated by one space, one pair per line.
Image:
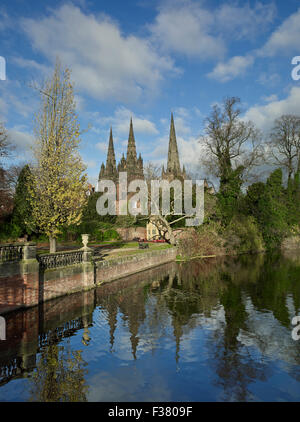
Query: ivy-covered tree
x=232 y=148
x=273 y=212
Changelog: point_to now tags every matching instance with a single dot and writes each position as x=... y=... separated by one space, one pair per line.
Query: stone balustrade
x=17 y=252
x=61 y=259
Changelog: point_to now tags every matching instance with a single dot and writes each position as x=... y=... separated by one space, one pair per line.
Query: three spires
x=133 y=165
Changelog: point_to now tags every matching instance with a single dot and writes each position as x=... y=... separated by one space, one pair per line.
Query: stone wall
x=61 y=281
x=132 y=232
x=113 y=269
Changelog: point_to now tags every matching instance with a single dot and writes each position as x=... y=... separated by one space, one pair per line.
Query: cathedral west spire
x=111 y=158
x=109 y=171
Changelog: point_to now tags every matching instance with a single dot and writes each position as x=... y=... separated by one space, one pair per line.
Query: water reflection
x=205 y=330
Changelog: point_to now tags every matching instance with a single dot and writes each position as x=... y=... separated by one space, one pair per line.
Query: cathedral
x=133 y=165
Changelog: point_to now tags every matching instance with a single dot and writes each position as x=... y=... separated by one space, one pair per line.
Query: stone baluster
x=87 y=252
x=29 y=251
x=88 y=265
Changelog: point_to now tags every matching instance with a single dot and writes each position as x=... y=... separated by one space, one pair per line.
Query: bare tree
x=152 y=171
x=160 y=220
x=284 y=146
x=230 y=142
x=6 y=146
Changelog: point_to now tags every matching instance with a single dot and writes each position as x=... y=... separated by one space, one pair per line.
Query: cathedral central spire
x=131 y=149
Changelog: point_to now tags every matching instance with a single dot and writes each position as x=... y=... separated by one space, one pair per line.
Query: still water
x=214 y=330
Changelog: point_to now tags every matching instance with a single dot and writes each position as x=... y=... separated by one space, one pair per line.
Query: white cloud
x=102 y=146
x=105 y=63
x=3 y=108
x=17 y=99
x=270 y=98
x=236 y=66
x=269 y=79
x=185 y=27
x=244 y=22
x=120 y=122
x=22 y=139
x=5 y=21
x=285 y=39
x=264 y=115
x=189 y=28
x=30 y=64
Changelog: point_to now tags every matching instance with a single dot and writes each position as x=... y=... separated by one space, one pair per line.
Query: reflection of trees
x=200 y=287
x=236 y=369
x=59 y=375
x=279 y=278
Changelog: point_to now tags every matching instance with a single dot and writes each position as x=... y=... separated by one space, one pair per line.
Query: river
x=206 y=330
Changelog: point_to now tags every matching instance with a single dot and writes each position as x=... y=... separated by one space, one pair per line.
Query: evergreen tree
x=22 y=214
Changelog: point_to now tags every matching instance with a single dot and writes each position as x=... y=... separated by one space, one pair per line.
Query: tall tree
x=5 y=145
x=58 y=187
x=5 y=188
x=285 y=144
x=233 y=147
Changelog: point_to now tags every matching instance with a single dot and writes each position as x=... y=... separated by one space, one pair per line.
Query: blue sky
x=145 y=59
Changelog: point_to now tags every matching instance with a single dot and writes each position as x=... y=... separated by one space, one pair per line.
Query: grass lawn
x=126 y=248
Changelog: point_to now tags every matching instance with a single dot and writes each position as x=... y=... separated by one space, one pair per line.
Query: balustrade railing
x=60 y=259
x=11 y=252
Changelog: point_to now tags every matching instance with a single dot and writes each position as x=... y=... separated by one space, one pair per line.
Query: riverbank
x=28 y=279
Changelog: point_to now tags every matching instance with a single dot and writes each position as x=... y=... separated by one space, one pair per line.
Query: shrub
x=243 y=235
x=206 y=240
x=111 y=234
x=99 y=235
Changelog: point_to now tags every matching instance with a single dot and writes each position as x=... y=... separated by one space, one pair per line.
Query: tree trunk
x=52 y=241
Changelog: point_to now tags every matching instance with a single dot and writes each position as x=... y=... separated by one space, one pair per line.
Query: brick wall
x=23 y=284
x=62 y=281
